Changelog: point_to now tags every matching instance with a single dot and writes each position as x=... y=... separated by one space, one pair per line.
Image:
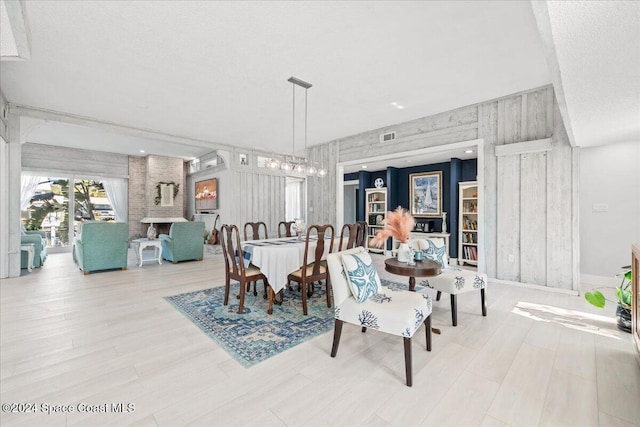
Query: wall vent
x=386 y=137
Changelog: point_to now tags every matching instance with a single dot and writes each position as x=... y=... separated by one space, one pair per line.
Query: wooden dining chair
x=361 y=239
x=285 y=228
x=234 y=265
x=257 y=231
x=313 y=270
x=348 y=236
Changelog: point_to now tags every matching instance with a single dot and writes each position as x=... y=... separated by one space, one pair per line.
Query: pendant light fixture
x=297 y=165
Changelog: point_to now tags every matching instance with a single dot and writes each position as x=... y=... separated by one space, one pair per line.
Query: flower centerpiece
x=398 y=224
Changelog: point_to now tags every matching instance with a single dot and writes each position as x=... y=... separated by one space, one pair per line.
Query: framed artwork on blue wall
x=425 y=194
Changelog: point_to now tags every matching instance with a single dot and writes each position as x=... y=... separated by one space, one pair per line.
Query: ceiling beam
x=49 y=115
x=19 y=27
x=543 y=21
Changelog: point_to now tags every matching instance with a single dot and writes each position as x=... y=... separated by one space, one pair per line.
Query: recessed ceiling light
x=468 y=151
x=408 y=161
x=400 y=107
x=142 y=151
x=364 y=166
x=394 y=104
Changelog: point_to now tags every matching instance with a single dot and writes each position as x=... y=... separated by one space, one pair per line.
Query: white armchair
x=353 y=277
x=452 y=280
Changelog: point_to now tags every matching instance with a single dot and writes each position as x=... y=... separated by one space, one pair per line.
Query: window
x=294 y=198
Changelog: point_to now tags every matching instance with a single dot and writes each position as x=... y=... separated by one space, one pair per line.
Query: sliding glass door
x=48 y=208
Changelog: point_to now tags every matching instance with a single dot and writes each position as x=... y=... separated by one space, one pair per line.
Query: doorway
x=407 y=156
x=350 y=202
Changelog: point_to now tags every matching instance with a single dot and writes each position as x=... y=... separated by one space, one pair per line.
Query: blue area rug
x=255 y=335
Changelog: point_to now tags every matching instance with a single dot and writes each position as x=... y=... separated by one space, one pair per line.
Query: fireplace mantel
x=149 y=220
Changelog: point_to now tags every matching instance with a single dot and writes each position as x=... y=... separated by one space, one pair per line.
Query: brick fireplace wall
x=144 y=175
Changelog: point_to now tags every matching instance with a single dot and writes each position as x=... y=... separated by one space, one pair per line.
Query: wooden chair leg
x=227 y=286
x=304 y=298
x=407 y=361
x=242 y=292
x=454 y=310
x=328 y=284
x=427 y=326
x=484 y=302
x=438 y=296
x=337 y=331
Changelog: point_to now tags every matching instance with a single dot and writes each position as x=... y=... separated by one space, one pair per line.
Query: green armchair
x=39 y=240
x=185 y=241
x=102 y=245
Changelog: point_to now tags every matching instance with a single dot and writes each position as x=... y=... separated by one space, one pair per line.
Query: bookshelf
x=376 y=212
x=468 y=223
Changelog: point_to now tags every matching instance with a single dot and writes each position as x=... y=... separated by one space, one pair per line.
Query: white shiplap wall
x=71 y=161
x=530 y=226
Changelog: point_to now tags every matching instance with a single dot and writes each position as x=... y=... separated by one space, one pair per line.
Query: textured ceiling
x=597 y=44
x=217 y=71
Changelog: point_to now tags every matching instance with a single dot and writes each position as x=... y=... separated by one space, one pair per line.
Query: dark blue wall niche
x=397 y=182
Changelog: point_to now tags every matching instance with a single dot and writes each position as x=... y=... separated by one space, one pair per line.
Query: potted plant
x=623 y=293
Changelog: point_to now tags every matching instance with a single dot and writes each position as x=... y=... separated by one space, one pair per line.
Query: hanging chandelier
x=297 y=165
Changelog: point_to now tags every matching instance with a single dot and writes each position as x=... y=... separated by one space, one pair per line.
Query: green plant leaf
x=624 y=297
x=595 y=298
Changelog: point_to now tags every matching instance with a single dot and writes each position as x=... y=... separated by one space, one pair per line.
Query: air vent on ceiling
x=386 y=137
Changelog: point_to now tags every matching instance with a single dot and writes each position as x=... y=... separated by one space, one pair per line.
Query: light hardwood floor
x=110 y=337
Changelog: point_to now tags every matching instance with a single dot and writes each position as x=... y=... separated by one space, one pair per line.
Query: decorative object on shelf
x=165 y=193
x=398 y=225
x=425 y=195
x=243 y=159
x=378 y=183
x=151 y=232
x=444 y=222
x=297 y=165
x=379 y=219
x=623 y=293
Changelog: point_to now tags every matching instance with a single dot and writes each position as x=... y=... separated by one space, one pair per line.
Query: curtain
x=28 y=186
x=118 y=194
x=293 y=199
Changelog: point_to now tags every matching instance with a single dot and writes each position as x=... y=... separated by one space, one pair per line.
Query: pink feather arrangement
x=398 y=224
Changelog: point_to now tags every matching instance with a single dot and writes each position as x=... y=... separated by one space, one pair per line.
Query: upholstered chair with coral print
x=453 y=280
x=360 y=300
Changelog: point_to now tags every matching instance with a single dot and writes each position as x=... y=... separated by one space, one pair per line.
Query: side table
x=140 y=244
x=30 y=248
x=425 y=268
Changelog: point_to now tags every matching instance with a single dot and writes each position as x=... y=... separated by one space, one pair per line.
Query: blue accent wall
x=397 y=182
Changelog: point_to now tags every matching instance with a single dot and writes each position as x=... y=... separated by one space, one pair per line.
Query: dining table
x=277 y=258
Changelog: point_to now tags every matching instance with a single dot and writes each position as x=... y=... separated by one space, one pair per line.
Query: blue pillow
x=437 y=251
x=362 y=275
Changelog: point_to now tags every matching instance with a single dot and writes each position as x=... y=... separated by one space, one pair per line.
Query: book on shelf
x=470 y=224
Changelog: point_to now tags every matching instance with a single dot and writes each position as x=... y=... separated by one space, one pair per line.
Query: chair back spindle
x=257 y=231
x=348 y=236
x=285 y=228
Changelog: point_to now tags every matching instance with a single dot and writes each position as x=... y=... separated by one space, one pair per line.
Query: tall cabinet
x=468 y=223
x=376 y=212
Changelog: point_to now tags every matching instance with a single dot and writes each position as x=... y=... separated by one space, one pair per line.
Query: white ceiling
x=217 y=71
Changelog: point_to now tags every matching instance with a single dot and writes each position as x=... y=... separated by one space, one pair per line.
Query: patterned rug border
x=285 y=316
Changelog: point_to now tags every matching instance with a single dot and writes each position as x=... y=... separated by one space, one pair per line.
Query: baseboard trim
x=538 y=287
x=592 y=279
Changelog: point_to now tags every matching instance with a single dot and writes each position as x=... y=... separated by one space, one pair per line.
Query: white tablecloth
x=276 y=258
